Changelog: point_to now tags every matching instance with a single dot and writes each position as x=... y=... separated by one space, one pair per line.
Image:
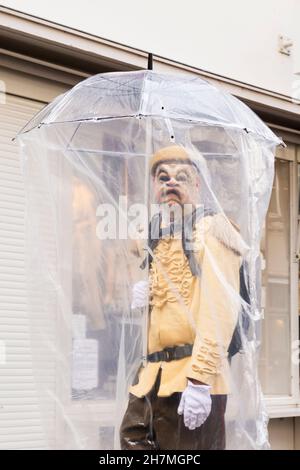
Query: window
x=279 y=375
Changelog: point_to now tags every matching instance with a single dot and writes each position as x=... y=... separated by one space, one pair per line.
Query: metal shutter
x=20 y=418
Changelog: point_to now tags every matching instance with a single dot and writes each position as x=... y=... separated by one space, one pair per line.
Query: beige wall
x=233 y=38
x=284 y=433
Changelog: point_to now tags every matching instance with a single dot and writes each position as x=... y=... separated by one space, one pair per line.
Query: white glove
x=140 y=294
x=195 y=404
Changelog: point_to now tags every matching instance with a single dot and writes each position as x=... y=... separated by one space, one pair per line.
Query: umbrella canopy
x=146 y=93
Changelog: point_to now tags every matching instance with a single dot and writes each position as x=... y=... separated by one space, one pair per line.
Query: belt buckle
x=168 y=354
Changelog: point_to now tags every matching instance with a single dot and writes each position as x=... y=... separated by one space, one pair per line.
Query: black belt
x=171 y=354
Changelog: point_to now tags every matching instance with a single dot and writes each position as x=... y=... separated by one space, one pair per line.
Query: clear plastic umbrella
x=145 y=197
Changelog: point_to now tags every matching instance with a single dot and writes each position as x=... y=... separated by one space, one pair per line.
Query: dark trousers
x=152 y=423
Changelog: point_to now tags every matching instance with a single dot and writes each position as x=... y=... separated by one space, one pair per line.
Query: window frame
x=289 y=405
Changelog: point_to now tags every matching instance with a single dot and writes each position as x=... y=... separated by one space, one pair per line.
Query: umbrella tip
x=150 y=61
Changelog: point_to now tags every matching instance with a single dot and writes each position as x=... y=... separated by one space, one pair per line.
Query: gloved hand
x=140 y=294
x=195 y=405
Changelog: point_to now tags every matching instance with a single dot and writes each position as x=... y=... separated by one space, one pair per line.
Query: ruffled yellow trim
x=170 y=274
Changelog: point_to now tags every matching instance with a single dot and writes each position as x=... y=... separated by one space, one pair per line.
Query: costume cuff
x=206 y=361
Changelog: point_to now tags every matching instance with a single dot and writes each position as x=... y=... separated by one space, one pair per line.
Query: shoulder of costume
x=225 y=231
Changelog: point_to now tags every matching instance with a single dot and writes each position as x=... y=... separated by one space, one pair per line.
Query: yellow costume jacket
x=202 y=311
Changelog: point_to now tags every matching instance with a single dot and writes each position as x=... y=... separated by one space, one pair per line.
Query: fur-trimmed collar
x=227 y=232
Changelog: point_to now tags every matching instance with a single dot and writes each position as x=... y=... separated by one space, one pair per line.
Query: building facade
x=44 y=51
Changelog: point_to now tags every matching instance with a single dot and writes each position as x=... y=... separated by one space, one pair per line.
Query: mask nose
x=172 y=182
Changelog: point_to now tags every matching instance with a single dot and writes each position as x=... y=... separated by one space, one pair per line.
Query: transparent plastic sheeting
x=146 y=194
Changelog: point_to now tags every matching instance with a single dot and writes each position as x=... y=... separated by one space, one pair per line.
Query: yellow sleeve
x=217 y=313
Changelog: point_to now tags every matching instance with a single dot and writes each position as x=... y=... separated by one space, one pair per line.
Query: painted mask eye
x=164 y=178
x=182 y=178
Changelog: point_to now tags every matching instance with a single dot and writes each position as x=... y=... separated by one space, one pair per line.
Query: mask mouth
x=173 y=192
